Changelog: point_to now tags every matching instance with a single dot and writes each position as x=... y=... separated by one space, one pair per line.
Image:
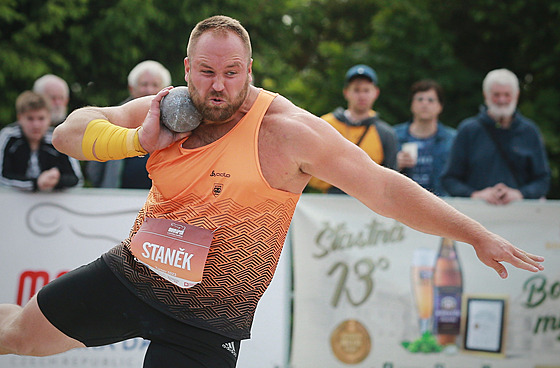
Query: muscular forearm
x=67 y=137
x=407 y=202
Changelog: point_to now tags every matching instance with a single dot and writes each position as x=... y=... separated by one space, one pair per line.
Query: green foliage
x=29 y=40
x=301 y=49
x=427 y=343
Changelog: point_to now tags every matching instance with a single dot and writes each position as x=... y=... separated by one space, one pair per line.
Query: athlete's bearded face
x=218 y=74
x=222 y=112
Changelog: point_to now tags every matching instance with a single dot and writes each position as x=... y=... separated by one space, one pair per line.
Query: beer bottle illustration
x=448 y=290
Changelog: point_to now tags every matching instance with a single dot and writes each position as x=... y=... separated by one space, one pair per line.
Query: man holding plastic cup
x=424 y=142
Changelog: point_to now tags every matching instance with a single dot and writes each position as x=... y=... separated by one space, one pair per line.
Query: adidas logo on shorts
x=229 y=346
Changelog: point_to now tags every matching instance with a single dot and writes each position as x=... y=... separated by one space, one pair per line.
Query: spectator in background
x=499 y=154
x=424 y=142
x=56 y=90
x=146 y=78
x=28 y=160
x=360 y=124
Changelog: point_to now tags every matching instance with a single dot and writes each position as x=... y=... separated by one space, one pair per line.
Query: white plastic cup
x=412 y=149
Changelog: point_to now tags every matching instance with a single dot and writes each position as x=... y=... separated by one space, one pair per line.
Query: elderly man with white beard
x=498 y=155
x=57 y=92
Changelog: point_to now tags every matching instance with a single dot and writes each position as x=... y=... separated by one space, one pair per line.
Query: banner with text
x=371 y=292
x=45 y=235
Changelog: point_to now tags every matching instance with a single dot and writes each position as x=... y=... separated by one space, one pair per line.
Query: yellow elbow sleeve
x=104 y=141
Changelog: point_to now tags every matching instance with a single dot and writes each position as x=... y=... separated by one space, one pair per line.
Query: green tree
x=521 y=36
x=302 y=48
x=31 y=45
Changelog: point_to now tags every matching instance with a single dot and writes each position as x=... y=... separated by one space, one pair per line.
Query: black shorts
x=90 y=304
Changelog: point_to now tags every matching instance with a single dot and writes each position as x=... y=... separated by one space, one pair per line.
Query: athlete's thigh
x=37 y=335
x=91 y=305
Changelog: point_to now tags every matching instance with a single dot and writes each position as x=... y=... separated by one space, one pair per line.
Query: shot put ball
x=178 y=113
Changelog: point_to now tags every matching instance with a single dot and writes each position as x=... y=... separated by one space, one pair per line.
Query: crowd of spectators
x=497 y=155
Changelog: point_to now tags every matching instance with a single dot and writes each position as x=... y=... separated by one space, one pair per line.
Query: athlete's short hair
x=219 y=24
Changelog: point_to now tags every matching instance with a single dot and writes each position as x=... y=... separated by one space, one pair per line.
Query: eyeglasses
x=422 y=99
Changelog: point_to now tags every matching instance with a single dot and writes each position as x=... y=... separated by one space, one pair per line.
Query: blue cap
x=361 y=70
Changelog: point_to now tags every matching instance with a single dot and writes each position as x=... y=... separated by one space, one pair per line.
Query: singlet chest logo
x=220 y=174
x=217 y=190
x=218 y=187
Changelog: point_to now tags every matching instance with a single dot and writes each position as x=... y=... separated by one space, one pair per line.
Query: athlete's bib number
x=172 y=249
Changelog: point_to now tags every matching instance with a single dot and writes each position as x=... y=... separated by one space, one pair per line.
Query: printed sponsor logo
x=30 y=282
x=217 y=190
x=221 y=174
x=176 y=229
x=351 y=342
x=230 y=346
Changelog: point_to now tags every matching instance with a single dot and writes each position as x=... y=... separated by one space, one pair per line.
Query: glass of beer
x=421 y=272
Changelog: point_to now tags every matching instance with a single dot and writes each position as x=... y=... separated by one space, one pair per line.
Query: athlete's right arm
x=68 y=136
x=87 y=133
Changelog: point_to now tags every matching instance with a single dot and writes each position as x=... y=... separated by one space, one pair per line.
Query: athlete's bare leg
x=26 y=331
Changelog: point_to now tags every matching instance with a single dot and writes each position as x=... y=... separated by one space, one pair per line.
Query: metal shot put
x=178 y=113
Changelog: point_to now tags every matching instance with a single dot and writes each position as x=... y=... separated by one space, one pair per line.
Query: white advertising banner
x=45 y=235
x=371 y=292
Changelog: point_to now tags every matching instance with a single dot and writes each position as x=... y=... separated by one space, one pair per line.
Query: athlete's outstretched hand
x=497 y=250
x=154 y=136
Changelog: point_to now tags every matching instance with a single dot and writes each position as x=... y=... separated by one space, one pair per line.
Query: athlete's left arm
x=325 y=154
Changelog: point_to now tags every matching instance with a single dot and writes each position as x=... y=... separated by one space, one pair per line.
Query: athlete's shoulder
x=300 y=131
x=284 y=114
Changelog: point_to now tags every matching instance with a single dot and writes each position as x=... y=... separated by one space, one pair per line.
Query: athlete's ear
x=250 y=71
x=187 y=69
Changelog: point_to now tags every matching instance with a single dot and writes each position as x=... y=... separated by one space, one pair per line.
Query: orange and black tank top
x=219 y=187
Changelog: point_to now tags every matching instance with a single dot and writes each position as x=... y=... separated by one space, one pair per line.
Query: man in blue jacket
x=498 y=155
x=424 y=142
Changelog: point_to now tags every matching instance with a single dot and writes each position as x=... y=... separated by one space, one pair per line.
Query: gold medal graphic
x=350 y=342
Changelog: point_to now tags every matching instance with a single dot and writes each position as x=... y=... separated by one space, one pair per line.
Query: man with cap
x=360 y=124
